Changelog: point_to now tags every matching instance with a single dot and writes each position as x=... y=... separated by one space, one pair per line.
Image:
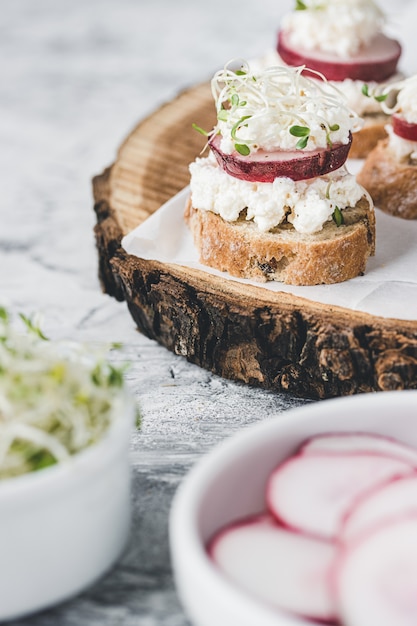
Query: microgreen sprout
x=378 y=97
x=381 y=98
x=222 y=115
x=338 y=217
x=242 y=148
x=201 y=130
x=234 y=100
x=332 y=128
x=313 y=5
x=56 y=398
x=32 y=326
x=327 y=194
x=267 y=109
x=303 y=132
x=301 y=143
x=393 y=95
x=238 y=125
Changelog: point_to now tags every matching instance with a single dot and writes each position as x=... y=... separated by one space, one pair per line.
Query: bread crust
x=365 y=140
x=391 y=183
x=332 y=255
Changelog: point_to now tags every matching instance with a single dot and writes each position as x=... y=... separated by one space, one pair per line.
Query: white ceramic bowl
x=62 y=527
x=229 y=482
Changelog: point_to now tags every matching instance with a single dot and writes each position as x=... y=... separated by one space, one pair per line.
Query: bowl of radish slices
x=309 y=516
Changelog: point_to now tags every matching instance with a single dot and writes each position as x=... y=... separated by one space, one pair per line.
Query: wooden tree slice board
x=273 y=340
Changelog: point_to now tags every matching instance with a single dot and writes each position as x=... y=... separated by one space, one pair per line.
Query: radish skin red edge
x=377 y=62
x=354 y=442
x=265 y=167
x=286 y=570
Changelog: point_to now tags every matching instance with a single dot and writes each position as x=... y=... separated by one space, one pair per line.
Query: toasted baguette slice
x=365 y=140
x=330 y=256
x=391 y=183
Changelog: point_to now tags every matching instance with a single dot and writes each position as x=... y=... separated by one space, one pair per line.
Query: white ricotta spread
x=402 y=148
x=259 y=109
x=306 y=204
x=361 y=104
x=406 y=103
x=341 y=27
x=406 y=106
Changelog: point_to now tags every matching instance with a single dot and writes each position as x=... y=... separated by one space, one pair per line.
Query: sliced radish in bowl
x=394 y=498
x=312 y=493
x=404 y=129
x=264 y=167
x=376 y=577
x=377 y=62
x=337 y=542
x=345 y=442
x=284 y=569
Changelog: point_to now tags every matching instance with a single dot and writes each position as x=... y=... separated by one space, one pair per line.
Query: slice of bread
x=334 y=254
x=391 y=183
x=365 y=139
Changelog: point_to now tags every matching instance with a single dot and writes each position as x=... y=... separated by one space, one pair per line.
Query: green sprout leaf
x=300 y=131
x=200 y=130
x=334 y=127
x=115 y=376
x=303 y=132
x=301 y=143
x=242 y=148
x=300 y=6
x=32 y=327
x=234 y=100
x=338 y=217
x=223 y=115
x=240 y=72
x=381 y=98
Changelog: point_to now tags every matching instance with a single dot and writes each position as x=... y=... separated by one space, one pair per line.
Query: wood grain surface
x=273 y=340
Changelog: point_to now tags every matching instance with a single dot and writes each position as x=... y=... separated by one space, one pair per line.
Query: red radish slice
x=376 y=577
x=285 y=570
x=376 y=62
x=264 y=167
x=335 y=443
x=397 y=497
x=311 y=493
x=404 y=129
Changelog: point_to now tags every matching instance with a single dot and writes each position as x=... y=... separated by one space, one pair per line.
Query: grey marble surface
x=76 y=76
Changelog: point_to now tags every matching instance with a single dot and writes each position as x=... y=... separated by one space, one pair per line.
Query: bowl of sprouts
x=65 y=424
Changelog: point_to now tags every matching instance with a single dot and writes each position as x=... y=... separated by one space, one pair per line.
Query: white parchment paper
x=388 y=288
